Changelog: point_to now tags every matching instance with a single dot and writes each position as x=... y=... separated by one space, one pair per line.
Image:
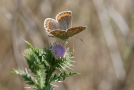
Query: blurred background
x=105 y=57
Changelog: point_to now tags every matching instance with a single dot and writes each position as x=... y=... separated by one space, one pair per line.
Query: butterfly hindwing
x=50 y=24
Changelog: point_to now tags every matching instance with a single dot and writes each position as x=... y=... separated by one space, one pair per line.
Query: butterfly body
x=61 y=27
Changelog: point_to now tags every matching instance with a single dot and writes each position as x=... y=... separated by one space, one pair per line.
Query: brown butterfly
x=61 y=27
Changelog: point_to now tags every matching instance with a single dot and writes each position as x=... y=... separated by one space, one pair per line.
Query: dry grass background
x=105 y=57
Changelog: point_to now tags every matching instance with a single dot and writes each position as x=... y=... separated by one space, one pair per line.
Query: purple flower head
x=58 y=51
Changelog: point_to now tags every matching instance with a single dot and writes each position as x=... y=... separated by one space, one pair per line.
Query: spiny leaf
x=61 y=76
x=28 y=78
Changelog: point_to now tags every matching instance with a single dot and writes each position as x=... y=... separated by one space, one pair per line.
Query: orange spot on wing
x=48 y=25
x=63 y=15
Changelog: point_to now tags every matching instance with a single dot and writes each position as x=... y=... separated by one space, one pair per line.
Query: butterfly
x=61 y=27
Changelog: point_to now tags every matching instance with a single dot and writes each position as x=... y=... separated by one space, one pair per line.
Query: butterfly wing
x=61 y=34
x=74 y=30
x=50 y=24
x=64 y=20
x=59 y=28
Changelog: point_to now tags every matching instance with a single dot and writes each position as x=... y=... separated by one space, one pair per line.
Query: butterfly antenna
x=79 y=39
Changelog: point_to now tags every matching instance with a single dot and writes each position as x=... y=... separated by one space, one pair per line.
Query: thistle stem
x=48 y=76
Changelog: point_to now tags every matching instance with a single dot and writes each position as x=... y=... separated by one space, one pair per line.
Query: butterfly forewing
x=51 y=24
x=61 y=34
x=64 y=20
x=74 y=30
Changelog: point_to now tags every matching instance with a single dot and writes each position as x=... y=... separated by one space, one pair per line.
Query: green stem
x=48 y=76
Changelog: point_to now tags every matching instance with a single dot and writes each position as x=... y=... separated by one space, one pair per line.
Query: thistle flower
x=43 y=63
x=58 y=51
